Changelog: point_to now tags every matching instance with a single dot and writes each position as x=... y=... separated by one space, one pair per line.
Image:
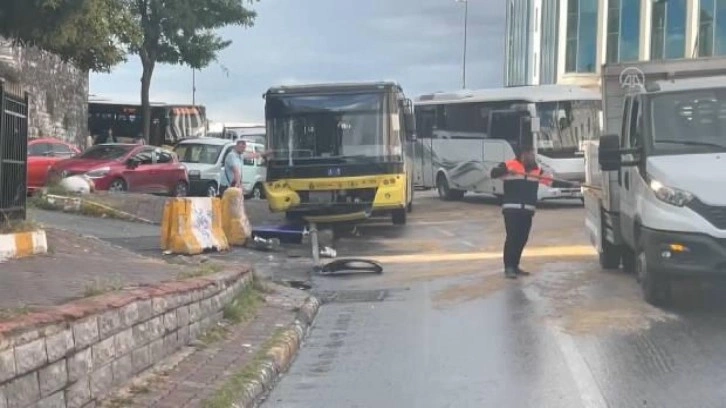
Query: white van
x=204 y=160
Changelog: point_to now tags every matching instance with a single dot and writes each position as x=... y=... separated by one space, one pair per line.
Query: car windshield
x=331 y=126
x=106 y=152
x=690 y=121
x=198 y=153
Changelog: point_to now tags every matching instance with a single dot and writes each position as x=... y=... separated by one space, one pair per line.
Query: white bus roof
x=101 y=100
x=537 y=93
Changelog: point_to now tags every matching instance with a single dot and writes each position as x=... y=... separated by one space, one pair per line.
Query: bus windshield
x=565 y=125
x=342 y=126
x=185 y=123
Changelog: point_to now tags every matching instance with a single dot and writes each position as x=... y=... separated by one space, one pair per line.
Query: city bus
x=339 y=150
x=462 y=135
x=169 y=123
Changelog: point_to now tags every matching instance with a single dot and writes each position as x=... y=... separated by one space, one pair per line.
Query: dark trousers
x=517 y=223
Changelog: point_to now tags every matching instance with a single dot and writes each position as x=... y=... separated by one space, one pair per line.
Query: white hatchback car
x=204 y=159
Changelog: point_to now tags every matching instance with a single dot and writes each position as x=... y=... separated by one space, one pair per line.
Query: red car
x=42 y=154
x=127 y=167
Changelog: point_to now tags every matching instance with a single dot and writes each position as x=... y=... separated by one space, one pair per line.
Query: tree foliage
x=181 y=32
x=90 y=33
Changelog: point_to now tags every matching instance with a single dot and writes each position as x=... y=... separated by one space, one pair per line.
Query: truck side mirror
x=609 y=154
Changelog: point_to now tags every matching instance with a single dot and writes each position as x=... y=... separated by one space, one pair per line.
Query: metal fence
x=13 y=152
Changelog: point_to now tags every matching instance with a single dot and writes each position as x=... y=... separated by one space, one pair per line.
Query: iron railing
x=13 y=152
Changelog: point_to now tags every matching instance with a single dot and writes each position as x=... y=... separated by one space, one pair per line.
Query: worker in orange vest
x=522 y=177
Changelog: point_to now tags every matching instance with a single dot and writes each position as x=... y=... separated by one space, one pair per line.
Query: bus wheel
x=446 y=193
x=399 y=217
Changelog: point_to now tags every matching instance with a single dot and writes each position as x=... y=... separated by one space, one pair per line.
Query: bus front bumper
x=337 y=194
x=552 y=193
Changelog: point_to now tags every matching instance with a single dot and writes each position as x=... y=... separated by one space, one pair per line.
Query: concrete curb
x=22 y=244
x=280 y=355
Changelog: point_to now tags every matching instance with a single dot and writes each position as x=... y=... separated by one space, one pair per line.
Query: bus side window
x=425 y=119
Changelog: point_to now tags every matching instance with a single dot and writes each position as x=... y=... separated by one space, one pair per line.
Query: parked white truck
x=657 y=205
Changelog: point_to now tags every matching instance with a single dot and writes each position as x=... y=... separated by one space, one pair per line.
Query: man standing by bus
x=232 y=169
x=522 y=177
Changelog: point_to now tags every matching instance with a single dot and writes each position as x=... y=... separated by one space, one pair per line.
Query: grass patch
x=243 y=306
x=207 y=268
x=228 y=394
x=139 y=389
x=101 y=286
x=9 y=226
x=213 y=335
x=120 y=402
x=10 y=313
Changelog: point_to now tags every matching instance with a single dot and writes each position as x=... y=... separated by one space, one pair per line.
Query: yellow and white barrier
x=235 y=223
x=193 y=225
x=22 y=244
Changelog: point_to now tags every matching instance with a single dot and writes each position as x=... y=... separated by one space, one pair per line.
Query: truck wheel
x=629 y=260
x=610 y=254
x=399 y=217
x=656 y=287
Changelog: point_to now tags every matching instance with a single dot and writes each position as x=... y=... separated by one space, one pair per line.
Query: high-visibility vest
x=520 y=186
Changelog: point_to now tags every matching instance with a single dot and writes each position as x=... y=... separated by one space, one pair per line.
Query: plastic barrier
x=193 y=225
x=235 y=223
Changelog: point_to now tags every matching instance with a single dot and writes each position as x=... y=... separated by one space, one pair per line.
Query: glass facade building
x=567 y=41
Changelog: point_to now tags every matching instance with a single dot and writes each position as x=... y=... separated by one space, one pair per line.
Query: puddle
x=472 y=289
x=614 y=315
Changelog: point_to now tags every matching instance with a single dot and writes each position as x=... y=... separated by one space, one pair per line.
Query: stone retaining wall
x=75 y=354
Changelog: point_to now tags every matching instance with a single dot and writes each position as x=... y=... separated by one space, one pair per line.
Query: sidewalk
x=225 y=372
x=76 y=266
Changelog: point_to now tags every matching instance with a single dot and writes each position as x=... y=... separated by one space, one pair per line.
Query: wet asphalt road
x=441 y=327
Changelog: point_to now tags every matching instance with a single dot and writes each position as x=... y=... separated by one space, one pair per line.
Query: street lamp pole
x=194 y=87
x=466 y=24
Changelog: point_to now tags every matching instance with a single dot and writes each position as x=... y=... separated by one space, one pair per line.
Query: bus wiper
x=692 y=143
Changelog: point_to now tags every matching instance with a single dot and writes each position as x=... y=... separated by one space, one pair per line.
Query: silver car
x=204 y=160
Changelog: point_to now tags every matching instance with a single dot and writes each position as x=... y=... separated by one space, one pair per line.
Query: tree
x=89 y=33
x=180 y=32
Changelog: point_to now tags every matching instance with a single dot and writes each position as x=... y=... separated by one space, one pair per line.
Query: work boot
x=521 y=272
x=510 y=273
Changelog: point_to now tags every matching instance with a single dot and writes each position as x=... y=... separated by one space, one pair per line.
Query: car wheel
x=258 y=192
x=212 y=190
x=181 y=189
x=118 y=186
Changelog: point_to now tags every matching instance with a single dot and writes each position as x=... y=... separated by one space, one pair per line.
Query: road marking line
x=556 y=252
x=469 y=244
x=590 y=392
x=446 y=232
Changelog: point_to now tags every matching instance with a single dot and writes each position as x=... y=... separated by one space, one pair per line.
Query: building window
x=581 y=49
x=668 y=36
x=712 y=28
x=623 y=30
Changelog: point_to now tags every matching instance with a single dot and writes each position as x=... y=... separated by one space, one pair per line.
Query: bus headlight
x=670 y=195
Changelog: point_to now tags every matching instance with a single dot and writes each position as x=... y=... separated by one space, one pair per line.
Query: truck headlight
x=670 y=195
x=98 y=173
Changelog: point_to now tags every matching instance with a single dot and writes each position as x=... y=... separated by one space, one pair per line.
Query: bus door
x=514 y=126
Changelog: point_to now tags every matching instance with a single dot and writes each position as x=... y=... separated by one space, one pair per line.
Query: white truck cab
x=661 y=210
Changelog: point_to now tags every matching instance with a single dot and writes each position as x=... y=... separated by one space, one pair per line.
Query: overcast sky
x=415 y=42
